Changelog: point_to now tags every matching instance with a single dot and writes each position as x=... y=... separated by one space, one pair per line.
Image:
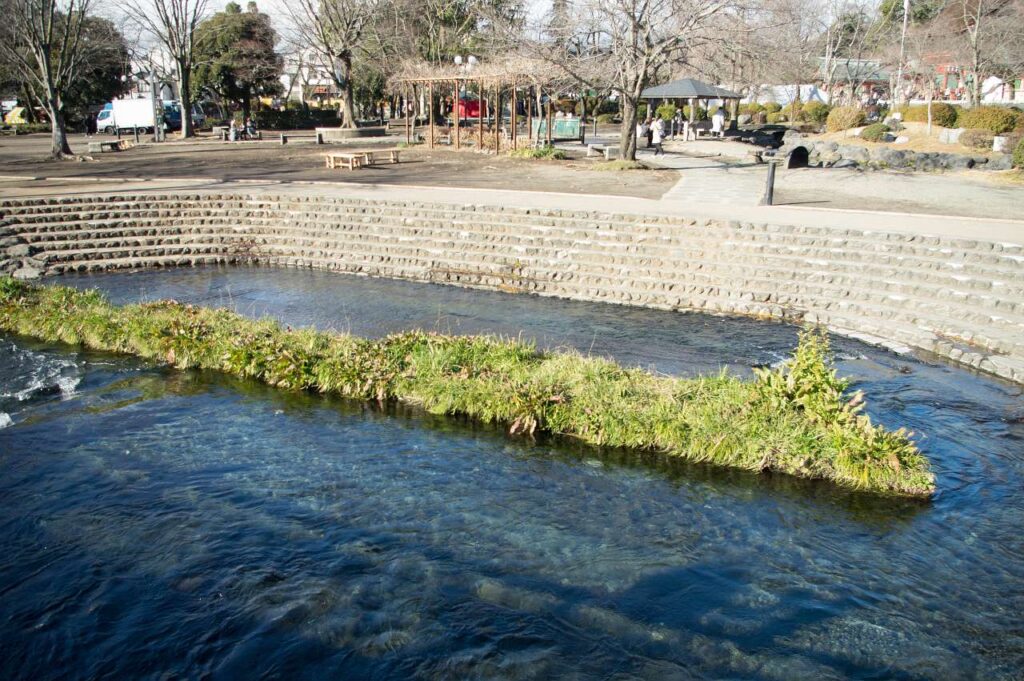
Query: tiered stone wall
x=960 y=298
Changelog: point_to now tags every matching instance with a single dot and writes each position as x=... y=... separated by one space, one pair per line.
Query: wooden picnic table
x=358 y=159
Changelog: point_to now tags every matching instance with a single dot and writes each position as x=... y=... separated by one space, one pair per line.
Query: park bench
x=339 y=160
x=110 y=145
x=609 y=150
x=369 y=157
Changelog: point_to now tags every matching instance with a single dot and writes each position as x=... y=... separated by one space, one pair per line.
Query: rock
x=1001 y=143
x=854 y=152
x=831 y=146
x=25 y=272
x=901 y=139
x=845 y=163
x=18 y=251
x=1000 y=162
x=744 y=119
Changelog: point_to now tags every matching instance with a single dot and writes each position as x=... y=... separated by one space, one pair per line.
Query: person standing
x=641 y=131
x=649 y=125
x=658 y=136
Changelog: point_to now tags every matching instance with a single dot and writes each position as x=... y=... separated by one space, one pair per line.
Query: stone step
x=910 y=285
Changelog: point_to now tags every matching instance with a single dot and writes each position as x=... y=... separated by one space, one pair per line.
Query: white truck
x=128 y=114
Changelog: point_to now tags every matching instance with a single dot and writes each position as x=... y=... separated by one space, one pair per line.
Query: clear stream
x=157 y=524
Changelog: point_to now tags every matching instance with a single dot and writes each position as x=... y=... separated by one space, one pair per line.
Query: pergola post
x=497 y=115
x=529 y=115
x=479 y=112
x=458 y=116
x=550 y=117
x=515 y=120
x=405 y=105
x=430 y=114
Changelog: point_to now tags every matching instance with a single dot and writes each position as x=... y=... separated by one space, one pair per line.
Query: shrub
x=977 y=139
x=549 y=153
x=793 y=111
x=29 y=128
x=775 y=117
x=702 y=114
x=606 y=118
x=772 y=107
x=995 y=119
x=759 y=117
x=1018 y=155
x=942 y=114
x=844 y=118
x=666 y=111
x=816 y=112
x=751 y=108
x=641 y=112
x=875 y=132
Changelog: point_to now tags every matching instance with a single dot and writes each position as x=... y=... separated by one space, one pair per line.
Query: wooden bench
x=340 y=160
x=110 y=145
x=369 y=158
x=609 y=150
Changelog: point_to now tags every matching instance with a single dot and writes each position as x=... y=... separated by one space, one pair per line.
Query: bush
x=1018 y=155
x=606 y=118
x=875 y=132
x=772 y=107
x=29 y=128
x=995 y=119
x=816 y=112
x=844 y=118
x=793 y=111
x=775 y=117
x=666 y=111
x=977 y=139
x=751 y=108
x=702 y=114
x=942 y=114
x=549 y=153
x=759 y=118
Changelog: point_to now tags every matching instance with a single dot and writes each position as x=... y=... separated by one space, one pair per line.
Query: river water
x=158 y=524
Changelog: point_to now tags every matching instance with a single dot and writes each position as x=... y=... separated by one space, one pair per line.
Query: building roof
x=688 y=88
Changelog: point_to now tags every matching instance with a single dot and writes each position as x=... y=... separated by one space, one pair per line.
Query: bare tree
x=987 y=39
x=335 y=31
x=624 y=44
x=173 y=24
x=43 y=40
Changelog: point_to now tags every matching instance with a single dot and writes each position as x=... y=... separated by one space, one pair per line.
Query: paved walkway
x=708 y=179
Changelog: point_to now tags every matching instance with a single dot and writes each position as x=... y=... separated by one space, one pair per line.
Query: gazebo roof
x=688 y=88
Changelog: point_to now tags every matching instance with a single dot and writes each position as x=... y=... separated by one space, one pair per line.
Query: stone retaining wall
x=960 y=298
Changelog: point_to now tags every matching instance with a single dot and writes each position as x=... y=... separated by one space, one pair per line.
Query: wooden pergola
x=512 y=81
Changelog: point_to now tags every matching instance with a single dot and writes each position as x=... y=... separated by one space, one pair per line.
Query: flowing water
x=158 y=524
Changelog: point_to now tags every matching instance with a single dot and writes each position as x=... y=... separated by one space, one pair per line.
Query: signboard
x=561 y=128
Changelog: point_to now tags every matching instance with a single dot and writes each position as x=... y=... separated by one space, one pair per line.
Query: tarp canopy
x=688 y=88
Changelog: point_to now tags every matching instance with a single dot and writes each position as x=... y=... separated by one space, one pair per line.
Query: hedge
x=1018 y=155
x=995 y=119
x=943 y=115
x=816 y=112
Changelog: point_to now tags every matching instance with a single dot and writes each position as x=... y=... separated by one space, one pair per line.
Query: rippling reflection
x=160 y=524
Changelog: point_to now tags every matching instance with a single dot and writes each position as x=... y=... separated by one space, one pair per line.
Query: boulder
x=26 y=272
x=845 y=163
x=1000 y=162
x=854 y=152
x=957 y=161
x=901 y=139
x=18 y=251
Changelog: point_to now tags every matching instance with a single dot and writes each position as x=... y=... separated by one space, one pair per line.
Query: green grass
x=549 y=153
x=798 y=419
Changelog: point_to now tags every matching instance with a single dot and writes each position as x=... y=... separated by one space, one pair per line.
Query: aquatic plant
x=796 y=419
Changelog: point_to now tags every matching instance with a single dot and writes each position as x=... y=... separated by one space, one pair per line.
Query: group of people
x=654 y=131
x=246 y=131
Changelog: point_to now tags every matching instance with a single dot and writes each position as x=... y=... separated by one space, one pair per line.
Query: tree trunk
x=246 y=107
x=59 y=147
x=348 y=113
x=185 y=96
x=627 y=131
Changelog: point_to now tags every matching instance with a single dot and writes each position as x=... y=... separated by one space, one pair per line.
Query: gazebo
x=689 y=89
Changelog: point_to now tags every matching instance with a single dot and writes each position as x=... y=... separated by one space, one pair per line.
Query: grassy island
x=797 y=419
